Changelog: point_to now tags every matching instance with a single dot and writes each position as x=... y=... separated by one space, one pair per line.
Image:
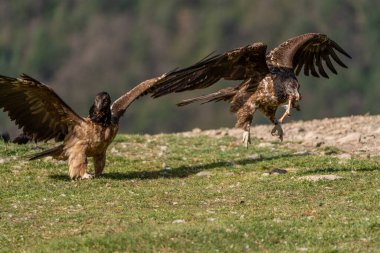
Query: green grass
x=169 y=193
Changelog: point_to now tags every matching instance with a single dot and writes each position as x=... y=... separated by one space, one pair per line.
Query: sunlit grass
x=169 y=193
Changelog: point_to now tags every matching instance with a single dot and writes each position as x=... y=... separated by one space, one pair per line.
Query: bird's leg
x=78 y=166
x=244 y=119
x=99 y=164
x=277 y=129
x=287 y=111
x=247 y=135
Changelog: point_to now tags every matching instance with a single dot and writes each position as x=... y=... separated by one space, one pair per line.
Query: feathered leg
x=78 y=166
x=244 y=119
x=99 y=164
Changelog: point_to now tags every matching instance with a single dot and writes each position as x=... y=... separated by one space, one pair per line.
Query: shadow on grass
x=61 y=177
x=185 y=170
x=179 y=172
x=337 y=169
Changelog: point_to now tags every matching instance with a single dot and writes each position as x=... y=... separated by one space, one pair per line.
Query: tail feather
x=224 y=94
x=49 y=152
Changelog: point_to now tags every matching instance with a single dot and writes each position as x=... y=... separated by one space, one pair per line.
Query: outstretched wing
x=238 y=64
x=122 y=103
x=308 y=51
x=36 y=108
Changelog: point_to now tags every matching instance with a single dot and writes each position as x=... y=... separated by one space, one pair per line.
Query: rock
x=114 y=150
x=311 y=136
x=265 y=145
x=255 y=157
x=301 y=130
x=178 y=221
x=315 y=178
x=278 y=171
x=344 y=156
x=302 y=152
x=351 y=137
x=204 y=174
x=319 y=144
x=196 y=131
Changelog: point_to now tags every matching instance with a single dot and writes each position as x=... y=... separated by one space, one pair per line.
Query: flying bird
x=268 y=79
x=43 y=116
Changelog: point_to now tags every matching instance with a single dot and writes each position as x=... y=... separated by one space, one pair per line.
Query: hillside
x=83 y=47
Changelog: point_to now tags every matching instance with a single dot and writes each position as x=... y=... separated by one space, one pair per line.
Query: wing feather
x=312 y=67
x=329 y=63
x=122 y=103
x=306 y=51
x=321 y=70
x=36 y=108
x=306 y=69
x=339 y=48
x=336 y=58
x=238 y=64
x=298 y=68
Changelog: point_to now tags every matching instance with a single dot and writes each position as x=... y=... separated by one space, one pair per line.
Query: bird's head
x=100 y=111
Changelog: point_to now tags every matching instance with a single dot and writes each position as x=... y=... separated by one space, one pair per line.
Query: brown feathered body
x=87 y=139
x=270 y=92
x=268 y=79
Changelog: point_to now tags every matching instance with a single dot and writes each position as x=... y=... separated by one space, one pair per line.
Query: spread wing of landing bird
x=268 y=80
x=44 y=116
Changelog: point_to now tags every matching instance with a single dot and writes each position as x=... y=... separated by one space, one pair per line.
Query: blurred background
x=80 y=48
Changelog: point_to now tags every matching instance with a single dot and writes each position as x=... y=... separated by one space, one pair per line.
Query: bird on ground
x=268 y=79
x=21 y=139
x=43 y=116
x=5 y=137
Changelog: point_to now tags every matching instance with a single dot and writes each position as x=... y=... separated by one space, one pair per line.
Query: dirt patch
x=315 y=178
x=355 y=134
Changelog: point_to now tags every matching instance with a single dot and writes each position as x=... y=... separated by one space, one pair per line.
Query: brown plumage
x=21 y=139
x=43 y=115
x=268 y=79
x=5 y=137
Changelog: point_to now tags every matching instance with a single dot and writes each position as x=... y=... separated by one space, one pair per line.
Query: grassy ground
x=175 y=194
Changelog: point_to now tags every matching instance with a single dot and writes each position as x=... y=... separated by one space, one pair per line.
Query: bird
x=22 y=138
x=43 y=116
x=267 y=79
x=5 y=137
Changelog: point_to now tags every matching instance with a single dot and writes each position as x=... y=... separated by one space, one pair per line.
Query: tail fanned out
x=49 y=152
x=224 y=94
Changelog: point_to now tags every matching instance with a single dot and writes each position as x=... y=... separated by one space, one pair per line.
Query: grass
x=169 y=193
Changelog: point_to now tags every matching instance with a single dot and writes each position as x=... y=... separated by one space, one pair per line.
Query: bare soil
x=354 y=135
